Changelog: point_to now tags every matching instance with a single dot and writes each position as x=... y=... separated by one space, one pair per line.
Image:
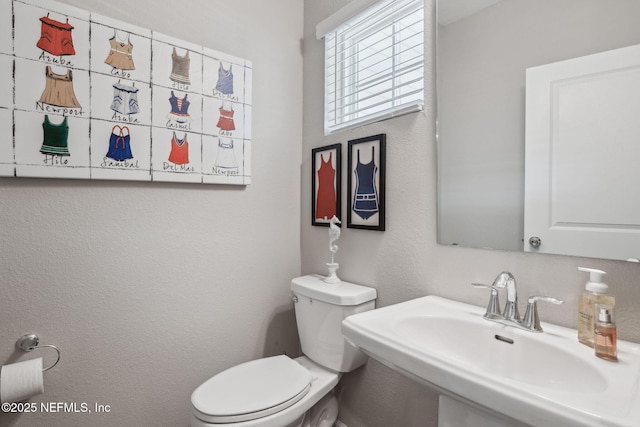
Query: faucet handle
x=531 y=319
x=493 y=308
x=552 y=300
x=482 y=285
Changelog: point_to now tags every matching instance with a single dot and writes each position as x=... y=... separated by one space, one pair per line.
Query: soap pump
x=595 y=292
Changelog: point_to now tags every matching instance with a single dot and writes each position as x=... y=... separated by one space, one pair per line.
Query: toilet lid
x=252 y=390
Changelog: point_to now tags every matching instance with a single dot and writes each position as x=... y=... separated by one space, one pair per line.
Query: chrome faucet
x=510 y=315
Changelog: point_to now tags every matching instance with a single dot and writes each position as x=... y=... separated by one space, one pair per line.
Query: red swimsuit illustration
x=179 y=150
x=225 y=122
x=55 y=37
x=326 y=197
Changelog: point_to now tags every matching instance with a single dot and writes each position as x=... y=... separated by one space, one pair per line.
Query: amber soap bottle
x=605 y=333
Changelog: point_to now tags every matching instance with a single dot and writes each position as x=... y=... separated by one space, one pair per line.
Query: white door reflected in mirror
x=582 y=192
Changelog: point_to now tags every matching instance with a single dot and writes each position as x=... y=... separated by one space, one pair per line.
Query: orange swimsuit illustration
x=55 y=37
x=179 y=150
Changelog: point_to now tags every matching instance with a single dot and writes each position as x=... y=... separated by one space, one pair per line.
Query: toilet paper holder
x=30 y=342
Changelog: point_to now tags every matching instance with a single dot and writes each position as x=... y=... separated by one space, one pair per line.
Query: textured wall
x=405 y=261
x=147 y=288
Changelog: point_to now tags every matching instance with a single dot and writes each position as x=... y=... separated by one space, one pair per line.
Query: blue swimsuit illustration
x=365 y=200
x=179 y=109
x=120 y=144
x=225 y=80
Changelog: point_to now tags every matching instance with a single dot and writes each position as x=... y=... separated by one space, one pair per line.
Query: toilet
x=280 y=391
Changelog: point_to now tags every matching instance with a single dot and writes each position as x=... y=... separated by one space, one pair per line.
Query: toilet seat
x=252 y=390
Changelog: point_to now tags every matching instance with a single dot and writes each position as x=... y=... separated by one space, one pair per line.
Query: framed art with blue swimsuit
x=365 y=183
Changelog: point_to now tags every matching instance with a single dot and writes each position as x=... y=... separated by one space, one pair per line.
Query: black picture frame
x=323 y=204
x=366 y=182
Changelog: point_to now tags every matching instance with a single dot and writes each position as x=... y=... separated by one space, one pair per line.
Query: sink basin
x=476 y=345
x=538 y=379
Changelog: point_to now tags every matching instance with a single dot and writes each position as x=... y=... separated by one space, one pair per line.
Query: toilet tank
x=320 y=308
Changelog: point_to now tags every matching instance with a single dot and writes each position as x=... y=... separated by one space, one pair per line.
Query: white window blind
x=374 y=65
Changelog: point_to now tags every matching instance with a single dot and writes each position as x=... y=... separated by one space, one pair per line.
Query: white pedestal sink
x=511 y=376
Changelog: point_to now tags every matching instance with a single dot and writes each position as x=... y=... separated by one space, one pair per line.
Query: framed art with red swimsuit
x=326 y=183
x=366 y=183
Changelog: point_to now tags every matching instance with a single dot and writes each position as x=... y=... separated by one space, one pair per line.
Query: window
x=374 y=64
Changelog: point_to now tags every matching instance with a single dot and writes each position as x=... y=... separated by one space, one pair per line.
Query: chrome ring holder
x=31 y=342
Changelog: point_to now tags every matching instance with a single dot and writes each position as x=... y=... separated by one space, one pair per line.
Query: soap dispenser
x=595 y=292
x=604 y=333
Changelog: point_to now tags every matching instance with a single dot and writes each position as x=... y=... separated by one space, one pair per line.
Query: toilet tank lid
x=343 y=293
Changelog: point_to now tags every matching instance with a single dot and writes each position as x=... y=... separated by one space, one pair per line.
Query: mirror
x=484 y=48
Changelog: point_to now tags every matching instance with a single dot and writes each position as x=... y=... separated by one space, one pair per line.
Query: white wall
x=147 y=288
x=405 y=261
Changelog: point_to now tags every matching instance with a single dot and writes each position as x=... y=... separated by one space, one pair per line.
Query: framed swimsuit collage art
x=91 y=97
x=365 y=183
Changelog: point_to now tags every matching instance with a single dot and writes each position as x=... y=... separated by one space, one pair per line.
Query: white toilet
x=279 y=391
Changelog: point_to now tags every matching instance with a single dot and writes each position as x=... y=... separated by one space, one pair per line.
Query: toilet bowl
x=280 y=391
x=299 y=389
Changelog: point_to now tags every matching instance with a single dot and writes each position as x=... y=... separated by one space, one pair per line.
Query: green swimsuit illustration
x=55 y=138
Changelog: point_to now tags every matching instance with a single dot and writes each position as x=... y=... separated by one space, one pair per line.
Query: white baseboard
x=339 y=423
